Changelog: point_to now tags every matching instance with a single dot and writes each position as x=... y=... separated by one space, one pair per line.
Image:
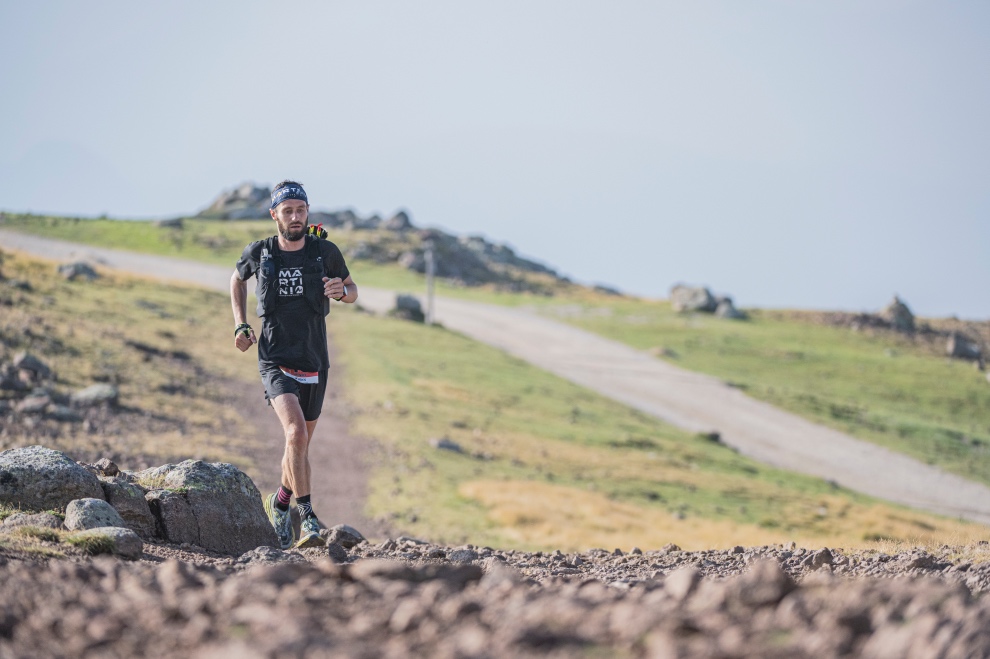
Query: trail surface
x=688 y=400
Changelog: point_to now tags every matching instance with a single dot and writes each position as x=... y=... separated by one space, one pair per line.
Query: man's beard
x=290 y=235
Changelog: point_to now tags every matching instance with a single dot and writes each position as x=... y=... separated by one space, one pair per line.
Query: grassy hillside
x=884 y=388
x=544 y=464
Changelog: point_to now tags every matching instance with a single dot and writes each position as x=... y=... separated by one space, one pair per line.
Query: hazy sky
x=801 y=154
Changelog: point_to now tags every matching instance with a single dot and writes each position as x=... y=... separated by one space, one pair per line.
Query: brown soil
x=408 y=598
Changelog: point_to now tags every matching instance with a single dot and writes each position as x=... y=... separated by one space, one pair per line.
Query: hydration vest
x=313 y=273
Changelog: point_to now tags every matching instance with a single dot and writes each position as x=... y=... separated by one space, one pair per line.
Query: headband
x=288 y=192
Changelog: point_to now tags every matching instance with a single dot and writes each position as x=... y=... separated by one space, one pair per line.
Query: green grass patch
x=91 y=543
x=409 y=384
x=888 y=389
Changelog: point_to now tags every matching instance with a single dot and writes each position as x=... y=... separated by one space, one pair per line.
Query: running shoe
x=282 y=522
x=309 y=533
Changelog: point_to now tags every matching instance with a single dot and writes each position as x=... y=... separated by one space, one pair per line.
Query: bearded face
x=291 y=217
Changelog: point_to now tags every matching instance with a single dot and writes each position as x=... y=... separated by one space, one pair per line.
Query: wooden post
x=430 y=271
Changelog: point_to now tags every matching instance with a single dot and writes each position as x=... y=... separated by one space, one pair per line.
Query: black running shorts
x=310 y=395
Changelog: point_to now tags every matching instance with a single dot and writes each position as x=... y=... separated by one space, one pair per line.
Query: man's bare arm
x=238 y=302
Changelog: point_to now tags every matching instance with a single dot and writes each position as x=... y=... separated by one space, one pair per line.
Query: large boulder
x=83 y=514
x=898 y=315
x=726 y=309
x=38 y=478
x=212 y=505
x=129 y=501
x=398 y=222
x=36 y=369
x=692 y=298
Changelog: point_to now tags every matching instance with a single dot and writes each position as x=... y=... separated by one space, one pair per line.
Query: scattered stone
x=336 y=552
x=96 y=394
x=38 y=478
x=345 y=536
x=64 y=413
x=33 y=404
x=822 y=557
x=24 y=361
x=463 y=556
x=78 y=270
x=408 y=307
x=106 y=467
x=444 y=444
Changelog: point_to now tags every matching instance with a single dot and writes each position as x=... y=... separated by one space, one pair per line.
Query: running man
x=298 y=274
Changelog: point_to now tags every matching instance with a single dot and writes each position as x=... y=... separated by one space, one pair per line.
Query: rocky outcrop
x=37 y=478
x=211 y=505
x=961 y=346
x=898 y=315
x=692 y=298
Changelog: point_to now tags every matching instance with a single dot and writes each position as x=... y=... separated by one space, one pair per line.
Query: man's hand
x=245 y=339
x=333 y=288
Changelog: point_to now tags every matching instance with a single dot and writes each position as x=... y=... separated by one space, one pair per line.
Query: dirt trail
x=689 y=400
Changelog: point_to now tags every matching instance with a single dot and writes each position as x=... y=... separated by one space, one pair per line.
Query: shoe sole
x=311 y=540
x=270 y=512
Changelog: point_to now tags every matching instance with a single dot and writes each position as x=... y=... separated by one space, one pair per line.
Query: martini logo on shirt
x=290 y=282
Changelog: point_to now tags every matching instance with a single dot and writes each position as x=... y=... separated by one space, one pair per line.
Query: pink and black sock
x=305 y=507
x=282 y=498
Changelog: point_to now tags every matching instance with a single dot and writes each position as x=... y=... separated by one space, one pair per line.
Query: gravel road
x=688 y=400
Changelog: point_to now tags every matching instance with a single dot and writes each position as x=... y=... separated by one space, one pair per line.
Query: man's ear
x=272 y=211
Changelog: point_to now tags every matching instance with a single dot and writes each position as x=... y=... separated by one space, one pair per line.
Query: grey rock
x=898 y=315
x=77 y=270
x=25 y=361
x=129 y=501
x=224 y=503
x=174 y=518
x=126 y=542
x=408 y=307
x=462 y=556
x=82 y=514
x=726 y=309
x=40 y=520
x=961 y=346
x=692 y=298
x=38 y=478
x=336 y=552
x=33 y=404
x=64 y=413
x=822 y=557
x=444 y=444
x=341 y=536
x=94 y=395
x=681 y=583
x=107 y=467
x=398 y=222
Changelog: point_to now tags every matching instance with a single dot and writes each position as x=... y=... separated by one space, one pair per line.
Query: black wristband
x=242 y=327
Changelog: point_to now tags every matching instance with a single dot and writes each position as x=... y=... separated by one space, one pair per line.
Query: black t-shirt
x=295 y=336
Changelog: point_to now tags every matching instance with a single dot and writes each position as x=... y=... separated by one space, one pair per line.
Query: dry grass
x=572 y=519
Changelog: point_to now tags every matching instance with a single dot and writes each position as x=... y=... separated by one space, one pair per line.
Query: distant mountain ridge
x=467 y=260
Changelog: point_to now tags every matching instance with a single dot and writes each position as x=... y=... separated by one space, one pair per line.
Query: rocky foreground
x=408 y=598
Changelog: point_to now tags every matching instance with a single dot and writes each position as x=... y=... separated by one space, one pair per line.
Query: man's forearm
x=238 y=298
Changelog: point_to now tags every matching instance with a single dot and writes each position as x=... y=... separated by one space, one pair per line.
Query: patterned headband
x=288 y=192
